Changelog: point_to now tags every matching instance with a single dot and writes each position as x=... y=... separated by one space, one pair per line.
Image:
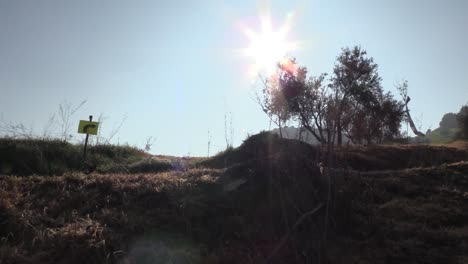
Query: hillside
x=23 y=157
x=269 y=200
x=442 y=136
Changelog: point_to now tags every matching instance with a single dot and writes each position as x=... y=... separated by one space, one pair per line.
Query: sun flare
x=269 y=46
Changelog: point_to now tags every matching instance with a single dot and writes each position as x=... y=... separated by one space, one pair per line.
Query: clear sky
x=173 y=68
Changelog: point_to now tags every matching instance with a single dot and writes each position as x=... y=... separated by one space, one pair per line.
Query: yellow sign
x=88 y=127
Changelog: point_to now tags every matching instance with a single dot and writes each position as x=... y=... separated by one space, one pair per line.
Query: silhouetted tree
x=377 y=123
x=353 y=104
x=304 y=99
x=393 y=115
x=356 y=84
x=462 y=118
x=449 y=121
x=273 y=102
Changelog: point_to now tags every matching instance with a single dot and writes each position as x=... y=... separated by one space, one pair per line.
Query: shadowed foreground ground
x=263 y=202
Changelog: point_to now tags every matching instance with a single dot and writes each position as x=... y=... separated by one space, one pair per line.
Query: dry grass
x=88 y=219
x=411 y=216
x=53 y=157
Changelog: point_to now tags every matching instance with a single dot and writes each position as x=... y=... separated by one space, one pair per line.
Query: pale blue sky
x=171 y=68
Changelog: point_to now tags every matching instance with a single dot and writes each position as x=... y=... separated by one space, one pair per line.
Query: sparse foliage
x=289 y=94
x=273 y=103
x=65 y=112
x=352 y=104
x=16 y=130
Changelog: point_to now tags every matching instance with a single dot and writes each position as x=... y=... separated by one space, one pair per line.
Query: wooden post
x=86 y=140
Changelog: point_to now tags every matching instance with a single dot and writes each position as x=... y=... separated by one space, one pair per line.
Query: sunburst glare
x=268 y=46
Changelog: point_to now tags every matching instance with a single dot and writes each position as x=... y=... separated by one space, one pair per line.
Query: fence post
x=86 y=140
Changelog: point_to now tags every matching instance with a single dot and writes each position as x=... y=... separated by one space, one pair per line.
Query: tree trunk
x=306 y=125
x=338 y=130
x=280 y=130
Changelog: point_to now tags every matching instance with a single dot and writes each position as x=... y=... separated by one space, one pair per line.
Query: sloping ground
x=264 y=146
x=396 y=157
x=439 y=135
x=97 y=218
x=412 y=216
x=54 y=157
x=264 y=202
x=363 y=158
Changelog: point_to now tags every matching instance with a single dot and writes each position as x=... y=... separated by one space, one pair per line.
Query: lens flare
x=269 y=46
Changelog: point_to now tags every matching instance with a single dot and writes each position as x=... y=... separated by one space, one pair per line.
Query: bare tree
x=403 y=89
x=50 y=126
x=16 y=130
x=272 y=102
x=65 y=112
x=149 y=143
x=209 y=143
x=102 y=119
x=228 y=129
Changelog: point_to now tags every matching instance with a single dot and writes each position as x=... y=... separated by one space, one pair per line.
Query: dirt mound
x=269 y=146
x=261 y=147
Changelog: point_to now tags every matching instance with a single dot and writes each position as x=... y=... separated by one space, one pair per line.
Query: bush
x=34 y=156
x=54 y=157
x=150 y=165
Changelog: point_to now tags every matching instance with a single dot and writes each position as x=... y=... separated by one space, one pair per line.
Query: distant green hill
x=448 y=131
x=440 y=135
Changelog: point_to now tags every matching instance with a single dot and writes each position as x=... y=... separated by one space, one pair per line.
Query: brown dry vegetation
x=89 y=218
x=262 y=202
x=416 y=215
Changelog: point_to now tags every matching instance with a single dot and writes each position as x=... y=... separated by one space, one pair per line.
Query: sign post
x=88 y=128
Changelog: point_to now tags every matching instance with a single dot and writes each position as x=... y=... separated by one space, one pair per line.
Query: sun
x=269 y=46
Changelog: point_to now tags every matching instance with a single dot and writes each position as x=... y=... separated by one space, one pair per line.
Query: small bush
x=150 y=165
